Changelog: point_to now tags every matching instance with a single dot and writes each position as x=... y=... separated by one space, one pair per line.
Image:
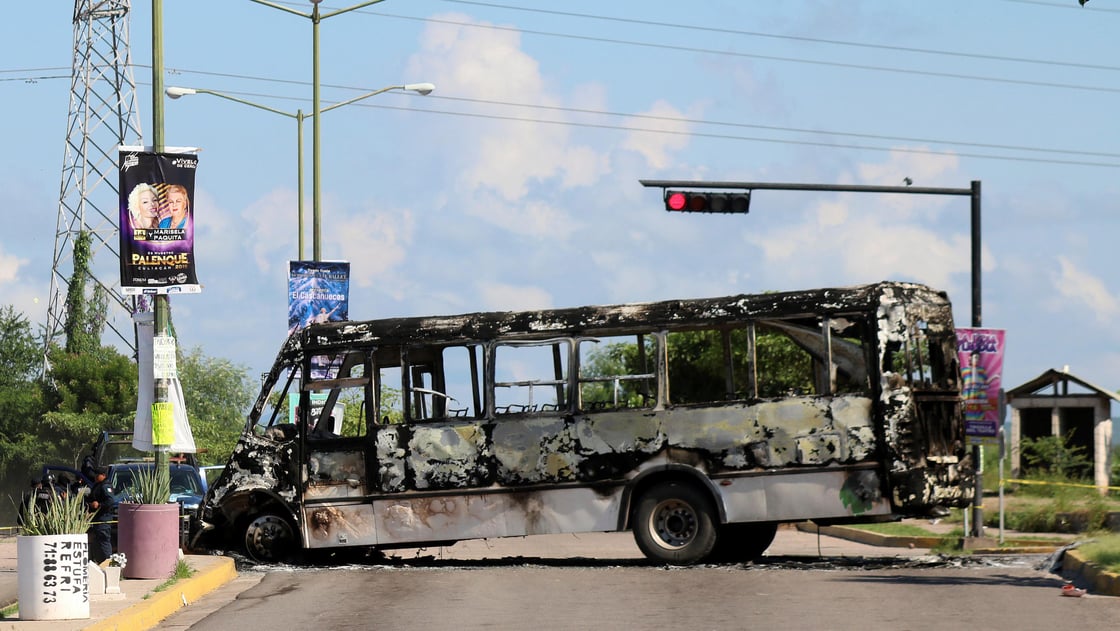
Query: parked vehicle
x=187 y=488
x=113 y=450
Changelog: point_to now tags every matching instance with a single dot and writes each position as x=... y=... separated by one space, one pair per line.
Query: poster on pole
x=157 y=222
x=980 y=352
x=318 y=291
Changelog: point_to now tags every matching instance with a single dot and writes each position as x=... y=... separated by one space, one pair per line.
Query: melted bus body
x=700 y=425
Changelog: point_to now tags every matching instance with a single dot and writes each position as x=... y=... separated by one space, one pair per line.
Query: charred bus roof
x=540 y=324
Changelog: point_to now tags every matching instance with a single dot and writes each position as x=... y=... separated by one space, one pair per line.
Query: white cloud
x=865 y=237
x=1082 y=290
x=505 y=297
x=272 y=234
x=373 y=242
x=505 y=158
x=669 y=135
x=533 y=217
x=9 y=267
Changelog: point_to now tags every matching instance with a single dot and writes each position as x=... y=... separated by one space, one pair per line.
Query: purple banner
x=157 y=223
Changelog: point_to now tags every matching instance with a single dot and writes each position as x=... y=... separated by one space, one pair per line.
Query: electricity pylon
x=102 y=116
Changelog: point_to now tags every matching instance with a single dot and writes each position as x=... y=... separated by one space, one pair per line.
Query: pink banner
x=981 y=356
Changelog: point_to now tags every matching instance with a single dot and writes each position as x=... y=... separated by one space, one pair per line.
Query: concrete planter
x=53 y=580
x=148 y=535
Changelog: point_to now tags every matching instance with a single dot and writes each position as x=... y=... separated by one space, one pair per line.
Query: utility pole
x=162 y=306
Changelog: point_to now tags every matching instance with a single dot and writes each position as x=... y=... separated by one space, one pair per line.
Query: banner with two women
x=157 y=222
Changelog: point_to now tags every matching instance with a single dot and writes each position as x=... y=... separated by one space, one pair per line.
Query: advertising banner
x=980 y=352
x=318 y=291
x=157 y=222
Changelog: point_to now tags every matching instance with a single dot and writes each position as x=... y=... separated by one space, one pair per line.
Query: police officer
x=103 y=504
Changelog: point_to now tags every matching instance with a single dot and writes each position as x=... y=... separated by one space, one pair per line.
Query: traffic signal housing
x=708 y=202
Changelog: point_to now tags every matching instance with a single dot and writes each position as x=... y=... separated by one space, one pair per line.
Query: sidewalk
x=139 y=606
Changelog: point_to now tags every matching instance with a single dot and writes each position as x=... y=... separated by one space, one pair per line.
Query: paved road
x=601 y=581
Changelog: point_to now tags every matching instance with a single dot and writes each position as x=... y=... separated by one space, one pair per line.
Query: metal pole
x=973 y=192
x=162 y=306
x=316 y=209
x=977 y=450
x=299 y=177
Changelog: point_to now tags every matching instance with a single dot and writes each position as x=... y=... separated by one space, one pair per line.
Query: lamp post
x=316 y=17
x=175 y=92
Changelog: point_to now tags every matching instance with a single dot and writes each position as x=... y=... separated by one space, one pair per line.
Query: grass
x=1103 y=551
x=9 y=612
x=897 y=529
x=182 y=570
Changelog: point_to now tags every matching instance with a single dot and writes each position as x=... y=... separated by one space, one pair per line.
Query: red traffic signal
x=707 y=202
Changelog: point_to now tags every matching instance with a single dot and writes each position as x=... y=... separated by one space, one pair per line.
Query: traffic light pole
x=973 y=192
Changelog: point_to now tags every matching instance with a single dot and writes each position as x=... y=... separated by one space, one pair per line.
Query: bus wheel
x=269 y=538
x=739 y=543
x=674 y=524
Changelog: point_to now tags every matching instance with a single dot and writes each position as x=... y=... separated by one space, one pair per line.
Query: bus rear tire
x=739 y=543
x=269 y=538
x=674 y=523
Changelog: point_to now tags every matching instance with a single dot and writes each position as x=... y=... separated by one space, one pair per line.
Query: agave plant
x=63 y=515
x=150 y=485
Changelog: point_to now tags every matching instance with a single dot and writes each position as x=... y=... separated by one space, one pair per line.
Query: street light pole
x=424 y=89
x=316 y=17
x=162 y=308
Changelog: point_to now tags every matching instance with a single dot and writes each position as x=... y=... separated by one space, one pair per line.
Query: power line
x=650 y=117
x=699 y=134
x=797 y=38
x=778 y=58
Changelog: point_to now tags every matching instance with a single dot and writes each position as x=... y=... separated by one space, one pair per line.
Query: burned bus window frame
x=430 y=389
x=638 y=387
x=560 y=351
x=340 y=389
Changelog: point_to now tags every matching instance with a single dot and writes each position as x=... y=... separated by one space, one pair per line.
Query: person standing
x=102 y=502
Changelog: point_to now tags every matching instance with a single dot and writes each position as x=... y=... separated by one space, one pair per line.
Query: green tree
x=85 y=310
x=89 y=387
x=217 y=393
x=83 y=395
x=20 y=403
x=1056 y=456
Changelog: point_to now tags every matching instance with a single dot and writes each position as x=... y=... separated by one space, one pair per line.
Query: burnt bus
x=698 y=424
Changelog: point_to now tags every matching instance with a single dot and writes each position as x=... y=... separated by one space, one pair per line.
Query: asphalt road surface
x=795 y=587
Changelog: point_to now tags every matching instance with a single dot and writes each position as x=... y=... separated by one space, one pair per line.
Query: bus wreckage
x=699 y=424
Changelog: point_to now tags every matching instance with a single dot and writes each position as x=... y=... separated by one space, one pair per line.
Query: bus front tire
x=269 y=538
x=674 y=523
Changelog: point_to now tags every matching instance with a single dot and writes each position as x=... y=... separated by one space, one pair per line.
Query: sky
x=515 y=184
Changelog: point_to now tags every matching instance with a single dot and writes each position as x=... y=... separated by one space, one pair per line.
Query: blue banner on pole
x=318 y=291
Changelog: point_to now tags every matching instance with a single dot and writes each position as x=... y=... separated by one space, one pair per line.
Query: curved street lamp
x=424 y=89
x=315 y=16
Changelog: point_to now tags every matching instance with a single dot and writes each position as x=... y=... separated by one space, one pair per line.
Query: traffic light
x=708 y=202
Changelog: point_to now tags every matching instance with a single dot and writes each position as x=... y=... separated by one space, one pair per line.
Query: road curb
x=159 y=605
x=1074 y=566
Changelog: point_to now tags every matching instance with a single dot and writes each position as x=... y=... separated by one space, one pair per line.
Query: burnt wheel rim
x=267 y=537
x=673 y=523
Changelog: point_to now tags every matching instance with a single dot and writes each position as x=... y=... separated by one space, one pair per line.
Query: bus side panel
x=789 y=432
x=799 y=496
x=486 y=515
x=535 y=450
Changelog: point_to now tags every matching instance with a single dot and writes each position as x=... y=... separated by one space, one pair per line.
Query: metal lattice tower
x=102 y=116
